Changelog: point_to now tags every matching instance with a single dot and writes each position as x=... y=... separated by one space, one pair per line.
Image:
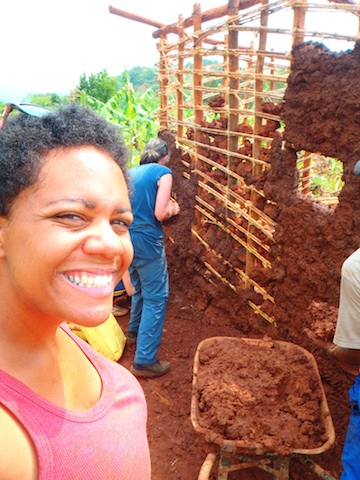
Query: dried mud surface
x=312 y=241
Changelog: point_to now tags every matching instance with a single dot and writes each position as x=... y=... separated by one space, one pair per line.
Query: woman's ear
x=3 y=221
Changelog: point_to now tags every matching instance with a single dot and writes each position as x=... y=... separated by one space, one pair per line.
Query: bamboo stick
x=248 y=248
x=241 y=273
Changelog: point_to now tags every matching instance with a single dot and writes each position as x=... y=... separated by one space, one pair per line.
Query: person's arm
x=129 y=287
x=344 y=355
x=165 y=207
x=348 y=358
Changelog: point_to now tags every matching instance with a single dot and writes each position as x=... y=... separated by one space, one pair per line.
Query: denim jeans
x=148 y=306
x=351 y=451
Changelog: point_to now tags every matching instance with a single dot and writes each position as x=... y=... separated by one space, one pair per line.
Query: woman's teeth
x=98 y=281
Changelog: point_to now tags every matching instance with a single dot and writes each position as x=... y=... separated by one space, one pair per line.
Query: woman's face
x=65 y=243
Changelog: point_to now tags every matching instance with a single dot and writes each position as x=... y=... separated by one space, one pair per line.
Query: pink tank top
x=107 y=442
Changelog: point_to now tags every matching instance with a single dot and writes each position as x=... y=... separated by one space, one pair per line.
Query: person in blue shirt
x=150 y=196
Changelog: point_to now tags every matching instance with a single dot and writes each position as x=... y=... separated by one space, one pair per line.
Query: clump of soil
x=262 y=394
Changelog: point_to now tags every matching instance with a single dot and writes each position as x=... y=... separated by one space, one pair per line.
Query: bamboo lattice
x=223 y=75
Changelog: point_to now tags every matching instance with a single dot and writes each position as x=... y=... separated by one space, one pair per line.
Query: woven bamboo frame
x=226 y=114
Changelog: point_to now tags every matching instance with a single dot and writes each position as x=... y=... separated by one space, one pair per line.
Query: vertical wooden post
x=272 y=72
x=257 y=144
x=297 y=37
x=198 y=93
x=180 y=80
x=306 y=174
x=197 y=77
x=299 y=22
x=259 y=84
x=233 y=139
x=225 y=69
x=163 y=82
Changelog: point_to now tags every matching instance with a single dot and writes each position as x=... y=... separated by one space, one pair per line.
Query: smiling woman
x=64 y=244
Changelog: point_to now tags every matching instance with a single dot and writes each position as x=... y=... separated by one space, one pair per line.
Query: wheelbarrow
x=241 y=453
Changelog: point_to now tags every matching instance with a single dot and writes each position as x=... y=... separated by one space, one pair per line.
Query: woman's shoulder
x=17 y=452
x=149 y=171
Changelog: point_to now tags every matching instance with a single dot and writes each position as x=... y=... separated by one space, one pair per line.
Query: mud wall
x=321 y=114
x=311 y=240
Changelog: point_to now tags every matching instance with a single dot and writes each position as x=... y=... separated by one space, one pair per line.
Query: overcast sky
x=47 y=44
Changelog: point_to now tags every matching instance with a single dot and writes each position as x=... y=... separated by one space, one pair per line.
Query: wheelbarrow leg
x=206 y=467
x=281 y=468
x=314 y=467
x=278 y=467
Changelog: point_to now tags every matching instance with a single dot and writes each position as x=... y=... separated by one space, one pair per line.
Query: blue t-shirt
x=146 y=231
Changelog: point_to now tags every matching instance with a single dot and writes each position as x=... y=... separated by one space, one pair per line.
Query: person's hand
x=318 y=341
x=174 y=208
x=331 y=350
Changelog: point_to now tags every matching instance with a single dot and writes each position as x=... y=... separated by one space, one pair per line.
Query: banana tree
x=135 y=114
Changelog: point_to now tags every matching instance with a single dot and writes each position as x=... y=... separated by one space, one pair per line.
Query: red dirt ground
x=312 y=241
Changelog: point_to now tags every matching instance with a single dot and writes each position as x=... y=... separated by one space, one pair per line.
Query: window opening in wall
x=320 y=177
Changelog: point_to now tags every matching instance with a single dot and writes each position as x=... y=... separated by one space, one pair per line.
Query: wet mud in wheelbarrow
x=249 y=404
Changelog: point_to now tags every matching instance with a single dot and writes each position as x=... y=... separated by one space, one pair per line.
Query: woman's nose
x=103 y=240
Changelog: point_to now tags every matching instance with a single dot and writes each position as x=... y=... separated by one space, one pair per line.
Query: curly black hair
x=25 y=142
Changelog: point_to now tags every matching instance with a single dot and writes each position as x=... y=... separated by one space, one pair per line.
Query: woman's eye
x=120 y=224
x=72 y=217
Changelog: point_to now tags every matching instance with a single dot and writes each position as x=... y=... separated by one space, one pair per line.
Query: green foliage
x=324 y=174
x=134 y=113
x=142 y=78
x=48 y=100
x=99 y=85
x=326 y=179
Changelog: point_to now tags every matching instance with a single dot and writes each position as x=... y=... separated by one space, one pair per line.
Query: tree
x=134 y=112
x=99 y=85
x=48 y=100
x=141 y=78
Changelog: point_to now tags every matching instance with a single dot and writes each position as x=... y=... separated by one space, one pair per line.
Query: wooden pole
x=180 y=80
x=211 y=14
x=233 y=36
x=225 y=78
x=299 y=22
x=163 y=82
x=135 y=17
x=197 y=76
x=259 y=86
x=198 y=94
x=306 y=174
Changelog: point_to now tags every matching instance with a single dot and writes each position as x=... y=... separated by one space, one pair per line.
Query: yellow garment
x=107 y=338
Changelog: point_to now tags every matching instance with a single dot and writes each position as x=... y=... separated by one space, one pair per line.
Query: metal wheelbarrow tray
x=264 y=397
